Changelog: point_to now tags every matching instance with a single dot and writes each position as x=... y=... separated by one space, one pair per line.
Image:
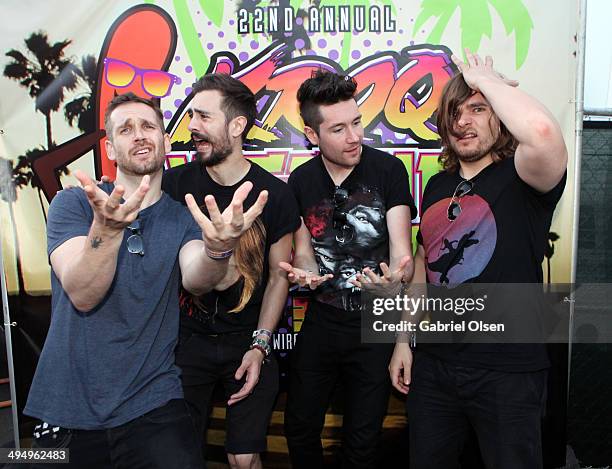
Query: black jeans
x=163 y=438
x=505 y=410
x=320 y=359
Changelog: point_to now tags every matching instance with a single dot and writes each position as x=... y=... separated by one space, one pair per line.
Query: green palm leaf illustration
x=214 y=10
x=189 y=34
x=516 y=18
x=476 y=22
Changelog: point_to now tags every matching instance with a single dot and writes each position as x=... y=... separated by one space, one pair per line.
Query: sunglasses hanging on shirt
x=135 y=244
x=454 y=206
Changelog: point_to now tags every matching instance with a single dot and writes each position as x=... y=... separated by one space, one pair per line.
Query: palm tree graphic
x=26 y=175
x=80 y=110
x=476 y=22
x=45 y=72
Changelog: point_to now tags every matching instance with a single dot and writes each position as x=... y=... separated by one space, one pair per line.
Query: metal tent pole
x=579 y=107
x=9 y=349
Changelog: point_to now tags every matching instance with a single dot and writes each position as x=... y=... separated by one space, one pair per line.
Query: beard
x=470 y=155
x=473 y=155
x=129 y=166
x=219 y=151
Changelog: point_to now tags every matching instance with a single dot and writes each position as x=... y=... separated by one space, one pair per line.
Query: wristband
x=261 y=345
x=218 y=255
x=265 y=332
x=260 y=348
x=409 y=336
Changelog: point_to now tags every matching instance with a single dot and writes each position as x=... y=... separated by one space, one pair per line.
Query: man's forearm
x=526 y=118
x=417 y=288
x=273 y=303
x=306 y=262
x=200 y=272
x=89 y=266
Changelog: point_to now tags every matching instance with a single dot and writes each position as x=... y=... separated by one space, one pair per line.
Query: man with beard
x=356 y=208
x=226 y=334
x=106 y=386
x=504 y=162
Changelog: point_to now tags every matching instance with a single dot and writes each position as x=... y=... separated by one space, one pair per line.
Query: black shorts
x=207 y=360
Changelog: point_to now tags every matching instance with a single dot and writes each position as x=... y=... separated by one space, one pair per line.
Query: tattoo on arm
x=96 y=242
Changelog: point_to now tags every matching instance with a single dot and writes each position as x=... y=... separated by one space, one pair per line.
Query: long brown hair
x=455 y=93
x=249 y=258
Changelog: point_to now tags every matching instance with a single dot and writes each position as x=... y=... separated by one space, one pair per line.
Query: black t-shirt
x=499 y=237
x=209 y=315
x=348 y=225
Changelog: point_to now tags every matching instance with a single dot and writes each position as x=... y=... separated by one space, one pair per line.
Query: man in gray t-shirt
x=106 y=385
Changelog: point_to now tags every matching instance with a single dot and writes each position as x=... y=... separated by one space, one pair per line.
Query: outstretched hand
x=389 y=279
x=303 y=278
x=108 y=209
x=476 y=69
x=222 y=230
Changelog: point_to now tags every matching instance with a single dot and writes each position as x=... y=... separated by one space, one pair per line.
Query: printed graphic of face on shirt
x=349 y=235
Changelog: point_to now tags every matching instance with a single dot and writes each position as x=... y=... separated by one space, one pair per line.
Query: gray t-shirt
x=103 y=368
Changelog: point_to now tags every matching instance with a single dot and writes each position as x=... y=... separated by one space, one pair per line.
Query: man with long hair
x=106 y=386
x=225 y=335
x=356 y=209
x=484 y=219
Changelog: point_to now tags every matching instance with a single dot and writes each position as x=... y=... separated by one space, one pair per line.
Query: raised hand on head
x=475 y=69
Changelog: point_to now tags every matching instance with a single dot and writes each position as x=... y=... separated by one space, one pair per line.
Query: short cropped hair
x=238 y=99
x=125 y=98
x=323 y=88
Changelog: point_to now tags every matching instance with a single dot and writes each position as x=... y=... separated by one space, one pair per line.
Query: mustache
x=199 y=136
x=463 y=133
x=143 y=144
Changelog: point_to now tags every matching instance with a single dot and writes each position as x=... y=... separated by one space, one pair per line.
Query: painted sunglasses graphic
x=156 y=83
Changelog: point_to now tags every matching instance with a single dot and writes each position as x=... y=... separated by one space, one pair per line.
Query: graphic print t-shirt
x=348 y=223
x=210 y=314
x=499 y=237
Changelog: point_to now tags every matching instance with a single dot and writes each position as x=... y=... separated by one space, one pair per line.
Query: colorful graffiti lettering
x=398 y=94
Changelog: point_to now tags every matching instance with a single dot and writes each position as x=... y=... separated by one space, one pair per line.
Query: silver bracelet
x=265 y=332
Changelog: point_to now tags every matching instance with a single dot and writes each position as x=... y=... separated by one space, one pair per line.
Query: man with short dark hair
x=356 y=209
x=226 y=334
x=504 y=166
x=106 y=386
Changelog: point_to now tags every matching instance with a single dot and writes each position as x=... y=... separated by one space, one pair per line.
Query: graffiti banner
x=61 y=66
